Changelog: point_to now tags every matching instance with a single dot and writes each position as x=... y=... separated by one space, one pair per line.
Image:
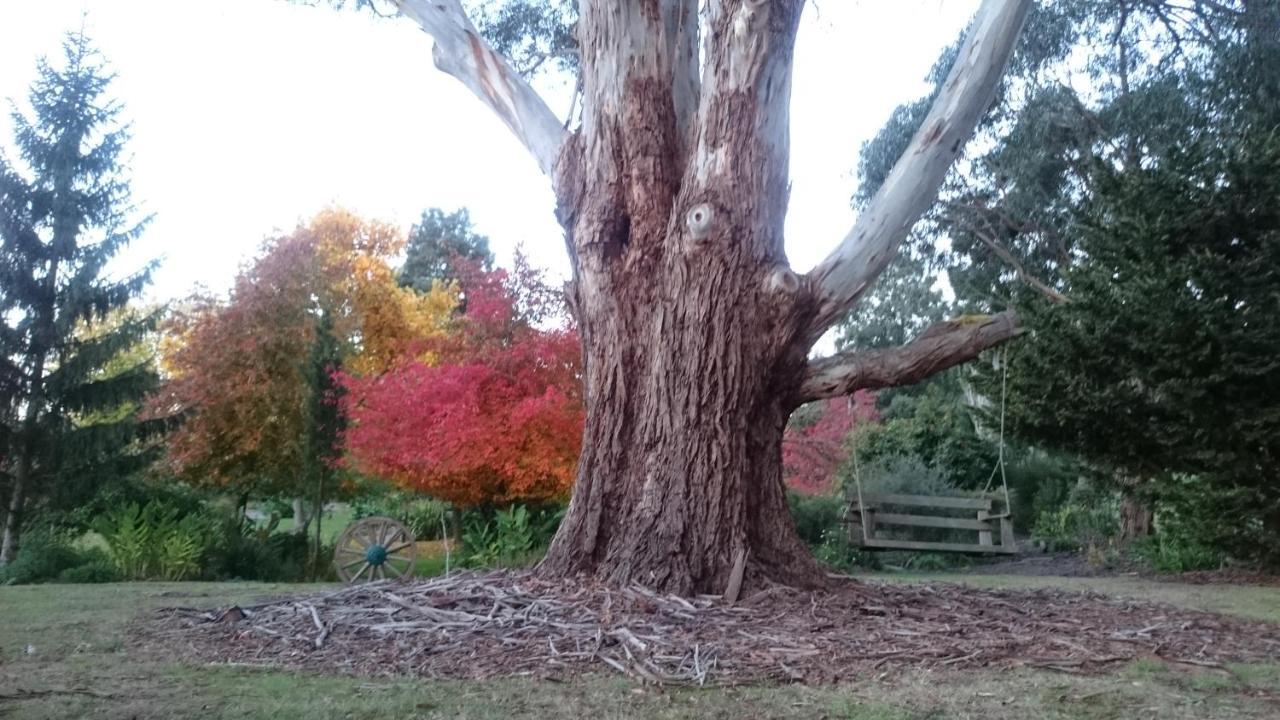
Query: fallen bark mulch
x=503 y=624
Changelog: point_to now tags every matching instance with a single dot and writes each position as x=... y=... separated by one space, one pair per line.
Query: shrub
x=154 y=541
x=1176 y=554
x=512 y=537
x=816 y=515
x=425 y=517
x=1234 y=522
x=1183 y=540
x=1089 y=521
x=1038 y=483
x=96 y=567
x=44 y=554
x=902 y=474
x=836 y=551
x=241 y=551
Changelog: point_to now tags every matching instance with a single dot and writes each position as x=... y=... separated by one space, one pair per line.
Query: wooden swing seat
x=985 y=522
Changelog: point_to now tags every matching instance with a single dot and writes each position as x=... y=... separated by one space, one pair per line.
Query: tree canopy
x=496 y=419
x=1128 y=220
x=239 y=372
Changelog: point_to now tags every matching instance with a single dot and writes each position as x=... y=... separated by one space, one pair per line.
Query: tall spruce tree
x=66 y=211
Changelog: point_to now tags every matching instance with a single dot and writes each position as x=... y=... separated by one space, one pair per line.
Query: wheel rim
x=375 y=548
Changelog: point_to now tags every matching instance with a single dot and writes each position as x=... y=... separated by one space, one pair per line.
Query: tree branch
x=912 y=185
x=942 y=346
x=461 y=52
x=1002 y=252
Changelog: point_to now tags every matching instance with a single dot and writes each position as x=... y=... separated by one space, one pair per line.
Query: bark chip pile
x=504 y=624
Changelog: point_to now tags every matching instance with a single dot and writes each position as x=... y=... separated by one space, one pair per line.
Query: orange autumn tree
x=237 y=372
x=497 y=420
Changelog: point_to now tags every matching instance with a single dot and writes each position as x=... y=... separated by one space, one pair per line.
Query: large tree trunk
x=687 y=394
x=22 y=474
x=13 y=522
x=695 y=330
x=1137 y=518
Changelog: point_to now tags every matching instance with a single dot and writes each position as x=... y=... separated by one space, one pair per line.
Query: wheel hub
x=375 y=555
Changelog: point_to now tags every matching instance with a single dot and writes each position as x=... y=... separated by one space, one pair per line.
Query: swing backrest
x=884 y=510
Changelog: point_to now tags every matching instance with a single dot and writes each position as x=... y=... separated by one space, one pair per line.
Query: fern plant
x=177 y=555
x=153 y=541
x=128 y=536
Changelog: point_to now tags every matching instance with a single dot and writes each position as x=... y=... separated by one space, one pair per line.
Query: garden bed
x=503 y=624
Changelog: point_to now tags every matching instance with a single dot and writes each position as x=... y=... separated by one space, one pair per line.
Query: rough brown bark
x=689 y=354
x=695 y=330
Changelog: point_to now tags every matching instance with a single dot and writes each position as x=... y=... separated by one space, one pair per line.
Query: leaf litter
x=482 y=625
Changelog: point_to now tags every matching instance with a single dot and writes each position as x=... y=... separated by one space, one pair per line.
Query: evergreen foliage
x=65 y=213
x=438 y=243
x=1131 y=220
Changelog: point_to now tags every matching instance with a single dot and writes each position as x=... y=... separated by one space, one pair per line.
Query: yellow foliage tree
x=235 y=368
x=387 y=323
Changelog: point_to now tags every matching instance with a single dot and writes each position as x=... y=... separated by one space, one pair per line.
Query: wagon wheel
x=375 y=548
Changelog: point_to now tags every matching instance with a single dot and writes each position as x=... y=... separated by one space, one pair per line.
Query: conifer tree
x=65 y=212
x=437 y=243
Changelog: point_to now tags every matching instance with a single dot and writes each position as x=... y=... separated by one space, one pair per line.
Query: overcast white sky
x=250 y=115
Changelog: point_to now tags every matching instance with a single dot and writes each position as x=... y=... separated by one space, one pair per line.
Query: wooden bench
x=985 y=522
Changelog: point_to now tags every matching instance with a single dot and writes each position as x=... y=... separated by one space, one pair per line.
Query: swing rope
x=1004 y=394
x=857 y=474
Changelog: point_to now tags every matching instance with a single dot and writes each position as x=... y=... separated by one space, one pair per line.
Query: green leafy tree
x=1130 y=219
x=66 y=211
x=437 y=243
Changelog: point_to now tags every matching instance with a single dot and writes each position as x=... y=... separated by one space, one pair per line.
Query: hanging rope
x=857 y=473
x=1004 y=394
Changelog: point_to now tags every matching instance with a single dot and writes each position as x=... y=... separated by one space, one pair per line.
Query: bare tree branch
x=942 y=346
x=1002 y=252
x=912 y=185
x=461 y=52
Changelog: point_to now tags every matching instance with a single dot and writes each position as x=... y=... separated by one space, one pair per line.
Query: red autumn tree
x=813 y=450
x=497 y=418
x=236 y=369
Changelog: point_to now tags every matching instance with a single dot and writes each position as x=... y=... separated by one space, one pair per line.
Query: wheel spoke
x=353 y=563
x=362 y=569
x=380 y=531
x=397 y=548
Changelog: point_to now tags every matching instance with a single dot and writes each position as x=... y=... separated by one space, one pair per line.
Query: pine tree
x=66 y=212
x=437 y=243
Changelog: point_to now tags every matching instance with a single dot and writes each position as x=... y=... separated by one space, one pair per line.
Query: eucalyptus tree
x=671 y=185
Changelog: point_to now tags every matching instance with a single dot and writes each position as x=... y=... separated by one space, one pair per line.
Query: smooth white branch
x=912 y=185
x=461 y=52
x=942 y=346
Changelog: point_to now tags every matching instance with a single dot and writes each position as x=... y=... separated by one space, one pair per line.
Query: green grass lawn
x=63 y=654
x=1255 y=603
x=334 y=522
